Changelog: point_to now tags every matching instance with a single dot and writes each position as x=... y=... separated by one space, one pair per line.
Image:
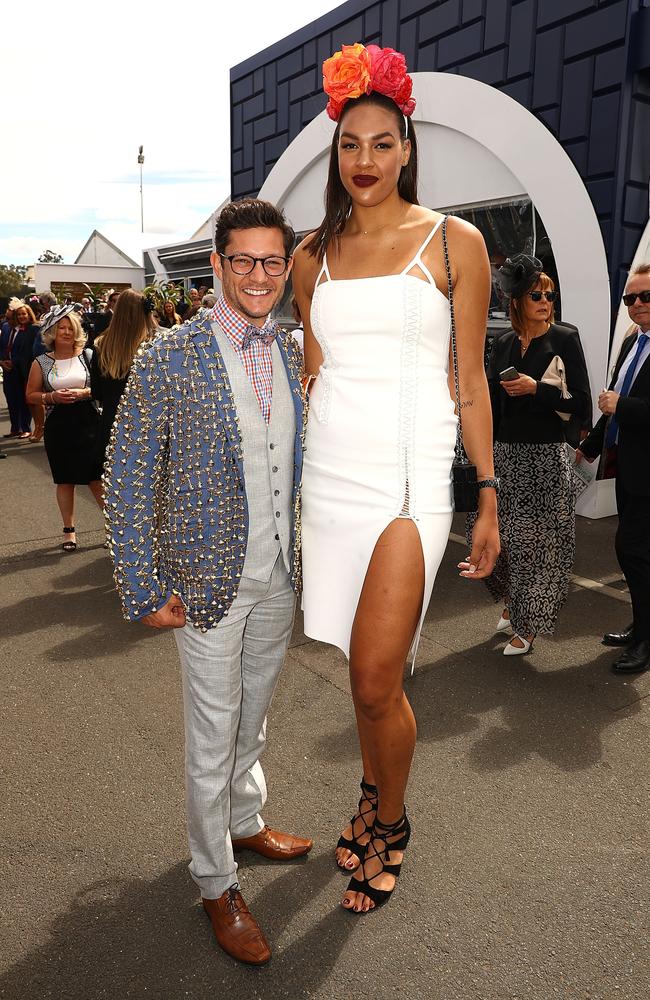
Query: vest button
x=277 y=513
x=277 y=538
x=275 y=468
x=276 y=493
x=271 y=446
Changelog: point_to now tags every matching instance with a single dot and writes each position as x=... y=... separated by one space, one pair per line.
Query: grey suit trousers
x=229 y=676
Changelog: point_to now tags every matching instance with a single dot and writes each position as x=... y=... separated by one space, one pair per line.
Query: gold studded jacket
x=176 y=511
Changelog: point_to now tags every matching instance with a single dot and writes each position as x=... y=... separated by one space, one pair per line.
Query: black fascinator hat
x=519 y=274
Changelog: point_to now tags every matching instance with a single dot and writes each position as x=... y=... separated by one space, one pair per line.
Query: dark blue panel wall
x=582 y=66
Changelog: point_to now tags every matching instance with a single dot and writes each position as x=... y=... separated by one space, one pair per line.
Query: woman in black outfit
x=536 y=502
x=131 y=325
x=60 y=381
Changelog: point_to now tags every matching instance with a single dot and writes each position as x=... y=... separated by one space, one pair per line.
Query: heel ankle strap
x=367 y=787
x=390 y=827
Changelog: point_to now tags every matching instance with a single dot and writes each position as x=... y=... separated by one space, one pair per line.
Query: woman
x=371 y=286
x=537 y=496
x=169 y=317
x=19 y=415
x=22 y=355
x=60 y=381
x=132 y=323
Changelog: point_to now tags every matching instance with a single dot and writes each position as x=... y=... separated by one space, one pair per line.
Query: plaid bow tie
x=266 y=335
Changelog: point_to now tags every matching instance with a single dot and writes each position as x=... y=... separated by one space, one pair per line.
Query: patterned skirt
x=536 y=507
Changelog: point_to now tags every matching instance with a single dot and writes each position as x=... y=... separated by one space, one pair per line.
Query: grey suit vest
x=268 y=461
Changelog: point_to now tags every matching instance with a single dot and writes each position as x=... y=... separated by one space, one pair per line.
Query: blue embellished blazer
x=175 y=502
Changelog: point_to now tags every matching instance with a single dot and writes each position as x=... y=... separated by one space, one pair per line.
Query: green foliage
x=96 y=293
x=62 y=292
x=12 y=279
x=50 y=257
x=161 y=292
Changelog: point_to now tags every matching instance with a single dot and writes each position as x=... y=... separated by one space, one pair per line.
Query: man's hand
x=608 y=401
x=172 y=615
x=522 y=386
x=580 y=455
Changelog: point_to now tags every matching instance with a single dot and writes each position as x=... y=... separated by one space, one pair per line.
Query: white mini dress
x=380 y=436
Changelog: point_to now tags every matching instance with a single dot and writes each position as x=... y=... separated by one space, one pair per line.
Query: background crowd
x=54 y=355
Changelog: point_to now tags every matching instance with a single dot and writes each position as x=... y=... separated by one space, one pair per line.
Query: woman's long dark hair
x=337 y=200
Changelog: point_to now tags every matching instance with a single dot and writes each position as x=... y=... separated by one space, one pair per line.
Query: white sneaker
x=511 y=650
x=503 y=625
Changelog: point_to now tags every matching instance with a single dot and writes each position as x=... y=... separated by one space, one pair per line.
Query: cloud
x=130 y=74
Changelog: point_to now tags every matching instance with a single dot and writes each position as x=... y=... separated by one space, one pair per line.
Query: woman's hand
x=486 y=546
x=63 y=396
x=69 y=395
x=522 y=386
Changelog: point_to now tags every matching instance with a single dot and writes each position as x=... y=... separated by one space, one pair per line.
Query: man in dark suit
x=624 y=430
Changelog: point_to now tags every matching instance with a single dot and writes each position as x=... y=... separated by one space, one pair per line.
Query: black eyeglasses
x=243 y=263
x=538 y=296
x=631 y=297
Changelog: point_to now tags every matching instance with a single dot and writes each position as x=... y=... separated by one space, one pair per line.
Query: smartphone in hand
x=509 y=374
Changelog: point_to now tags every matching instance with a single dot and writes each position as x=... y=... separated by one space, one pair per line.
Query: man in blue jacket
x=203 y=508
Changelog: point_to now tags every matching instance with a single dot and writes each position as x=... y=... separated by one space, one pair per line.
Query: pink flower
x=388 y=75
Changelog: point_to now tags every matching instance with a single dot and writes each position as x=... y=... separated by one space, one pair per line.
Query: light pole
x=141 y=161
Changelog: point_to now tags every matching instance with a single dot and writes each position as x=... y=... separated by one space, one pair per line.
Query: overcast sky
x=84 y=84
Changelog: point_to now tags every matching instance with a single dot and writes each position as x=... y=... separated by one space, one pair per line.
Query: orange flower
x=346 y=75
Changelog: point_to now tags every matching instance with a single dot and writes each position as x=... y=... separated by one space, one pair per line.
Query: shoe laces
x=233 y=904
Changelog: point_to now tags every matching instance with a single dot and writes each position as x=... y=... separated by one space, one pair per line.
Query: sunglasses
x=538 y=296
x=631 y=297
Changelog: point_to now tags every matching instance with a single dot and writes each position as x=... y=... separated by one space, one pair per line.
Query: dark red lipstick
x=364 y=180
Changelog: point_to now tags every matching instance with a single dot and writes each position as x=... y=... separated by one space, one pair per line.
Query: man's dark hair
x=251 y=213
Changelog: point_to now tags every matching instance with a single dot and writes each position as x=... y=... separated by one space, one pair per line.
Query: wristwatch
x=494 y=482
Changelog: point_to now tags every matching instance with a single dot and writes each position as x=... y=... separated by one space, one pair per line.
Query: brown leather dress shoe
x=275 y=845
x=236 y=929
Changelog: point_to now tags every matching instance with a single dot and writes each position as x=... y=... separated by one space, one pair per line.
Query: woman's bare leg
x=387 y=617
x=96 y=489
x=65 y=500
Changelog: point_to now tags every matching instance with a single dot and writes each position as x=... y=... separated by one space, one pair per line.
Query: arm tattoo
x=466 y=402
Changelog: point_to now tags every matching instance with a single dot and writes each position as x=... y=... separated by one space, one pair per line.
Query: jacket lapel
x=215 y=376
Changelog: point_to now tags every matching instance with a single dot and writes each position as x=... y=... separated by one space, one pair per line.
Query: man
x=101 y=320
x=201 y=489
x=624 y=429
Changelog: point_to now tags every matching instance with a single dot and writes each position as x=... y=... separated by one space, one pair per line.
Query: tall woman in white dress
x=371 y=287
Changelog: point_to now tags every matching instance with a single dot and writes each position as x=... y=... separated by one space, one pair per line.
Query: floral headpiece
x=359 y=69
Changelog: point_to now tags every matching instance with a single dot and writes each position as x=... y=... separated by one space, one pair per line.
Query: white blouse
x=68 y=374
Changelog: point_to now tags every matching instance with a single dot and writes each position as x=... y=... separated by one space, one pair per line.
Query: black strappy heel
x=369 y=797
x=68 y=546
x=382 y=833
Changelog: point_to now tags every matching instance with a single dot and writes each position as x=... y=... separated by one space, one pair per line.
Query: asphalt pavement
x=527 y=876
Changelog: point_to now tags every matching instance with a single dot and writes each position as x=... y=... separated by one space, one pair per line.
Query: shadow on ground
x=130 y=938
x=557 y=715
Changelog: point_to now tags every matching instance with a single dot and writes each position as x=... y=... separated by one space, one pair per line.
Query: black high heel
x=369 y=797
x=382 y=834
x=68 y=546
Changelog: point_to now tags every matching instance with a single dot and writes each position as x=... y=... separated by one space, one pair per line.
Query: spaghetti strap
x=417 y=260
x=323 y=271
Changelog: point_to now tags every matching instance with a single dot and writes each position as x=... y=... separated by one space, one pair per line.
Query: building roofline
x=96 y=232
x=325 y=22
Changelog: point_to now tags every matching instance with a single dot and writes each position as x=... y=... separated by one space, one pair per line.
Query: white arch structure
x=473 y=130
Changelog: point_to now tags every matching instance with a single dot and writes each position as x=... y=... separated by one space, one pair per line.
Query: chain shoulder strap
x=460 y=451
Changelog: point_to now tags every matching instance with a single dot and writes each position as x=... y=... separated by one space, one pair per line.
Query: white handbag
x=555 y=375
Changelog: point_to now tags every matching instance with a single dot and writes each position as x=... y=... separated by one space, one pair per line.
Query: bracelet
x=491 y=482
x=43 y=398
